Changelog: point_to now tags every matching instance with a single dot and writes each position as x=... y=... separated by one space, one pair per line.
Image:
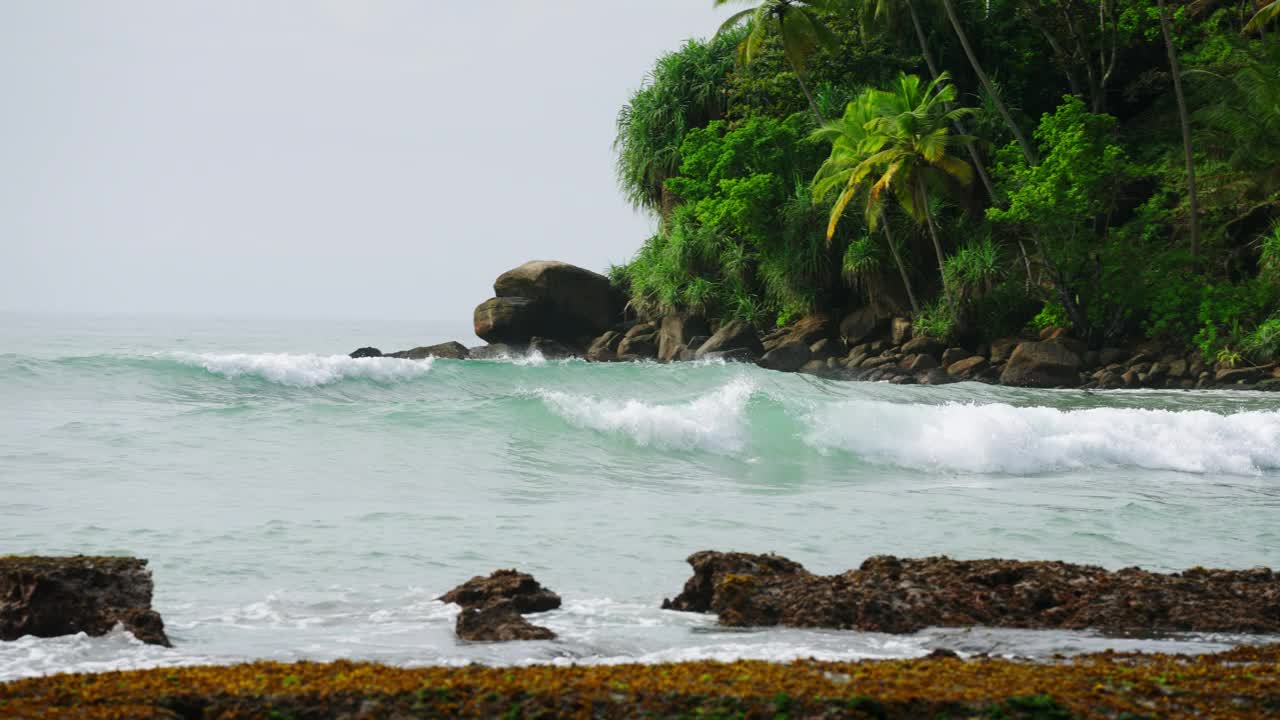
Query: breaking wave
x=305 y=370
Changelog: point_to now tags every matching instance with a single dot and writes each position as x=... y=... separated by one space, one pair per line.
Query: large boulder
x=862 y=324
x=903 y=595
x=500 y=621
x=53 y=596
x=451 y=350
x=492 y=607
x=520 y=588
x=638 y=346
x=366 y=352
x=676 y=330
x=734 y=335
x=1044 y=364
x=787 y=357
x=509 y=320
x=577 y=302
x=605 y=347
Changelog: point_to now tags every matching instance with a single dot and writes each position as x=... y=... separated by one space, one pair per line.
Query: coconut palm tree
x=884 y=15
x=1175 y=69
x=799 y=28
x=851 y=144
x=910 y=150
x=1264 y=16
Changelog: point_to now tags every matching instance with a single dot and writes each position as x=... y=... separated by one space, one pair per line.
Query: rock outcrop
x=1044 y=364
x=451 y=350
x=888 y=594
x=735 y=340
x=676 y=331
x=509 y=320
x=53 y=596
x=366 y=352
x=492 y=607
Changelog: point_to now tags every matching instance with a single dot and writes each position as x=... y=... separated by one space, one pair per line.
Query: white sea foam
x=1000 y=438
x=715 y=422
x=306 y=370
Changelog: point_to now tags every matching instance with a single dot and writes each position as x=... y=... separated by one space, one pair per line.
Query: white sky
x=315 y=158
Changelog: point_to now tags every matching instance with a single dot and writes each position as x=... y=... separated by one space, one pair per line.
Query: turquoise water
x=295 y=503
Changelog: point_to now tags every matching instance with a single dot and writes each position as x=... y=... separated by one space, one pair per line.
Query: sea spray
x=1001 y=438
x=715 y=422
x=305 y=370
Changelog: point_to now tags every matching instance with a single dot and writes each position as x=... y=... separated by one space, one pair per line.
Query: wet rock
x=954 y=355
x=968 y=366
x=639 y=346
x=575 y=301
x=676 y=330
x=497 y=351
x=921 y=362
x=888 y=594
x=828 y=348
x=936 y=376
x=1001 y=349
x=924 y=344
x=451 y=350
x=53 y=596
x=605 y=347
x=734 y=335
x=1042 y=364
x=900 y=329
x=509 y=320
x=1233 y=376
x=861 y=324
x=788 y=357
x=522 y=589
x=499 y=621
x=553 y=349
x=366 y=352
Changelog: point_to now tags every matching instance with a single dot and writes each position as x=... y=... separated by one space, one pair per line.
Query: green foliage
x=1051 y=315
x=684 y=91
x=1263 y=344
x=937 y=320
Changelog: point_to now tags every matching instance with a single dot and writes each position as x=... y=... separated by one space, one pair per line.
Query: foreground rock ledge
x=1241 y=683
x=492 y=607
x=53 y=596
x=888 y=594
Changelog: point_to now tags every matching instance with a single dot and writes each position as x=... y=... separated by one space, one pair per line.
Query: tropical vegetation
x=986 y=166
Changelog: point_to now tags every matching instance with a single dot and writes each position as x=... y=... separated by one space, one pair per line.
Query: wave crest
x=1000 y=438
x=306 y=370
x=716 y=422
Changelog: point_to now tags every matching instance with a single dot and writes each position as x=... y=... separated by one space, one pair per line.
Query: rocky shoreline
x=562 y=311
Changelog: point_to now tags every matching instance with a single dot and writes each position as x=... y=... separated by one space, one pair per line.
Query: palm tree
x=850 y=146
x=884 y=13
x=910 y=146
x=1184 y=119
x=798 y=26
x=1264 y=16
x=1027 y=150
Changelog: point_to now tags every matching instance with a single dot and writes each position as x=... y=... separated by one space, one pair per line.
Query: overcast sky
x=316 y=158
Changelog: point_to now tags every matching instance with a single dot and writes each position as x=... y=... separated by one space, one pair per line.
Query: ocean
x=297 y=504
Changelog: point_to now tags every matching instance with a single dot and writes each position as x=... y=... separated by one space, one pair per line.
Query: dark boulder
x=738 y=355
x=888 y=594
x=788 y=357
x=967 y=366
x=53 y=596
x=954 y=355
x=605 y=347
x=1043 y=364
x=676 y=330
x=497 y=351
x=642 y=346
x=366 y=352
x=499 y=621
x=576 y=302
x=552 y=349
x=861 y=324
x=733 y=335
x=451 y=350
x=923 y=344
x=509 y=320
x=522 y=589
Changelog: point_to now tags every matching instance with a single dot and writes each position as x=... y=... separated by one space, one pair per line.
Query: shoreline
x=1241 y=682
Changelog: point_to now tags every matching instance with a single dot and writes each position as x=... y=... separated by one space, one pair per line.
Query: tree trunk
x=902 y=269
x=809 y=96
x=1176 y=68
x=1027 y=151
x=922 y=200
x=960 y=128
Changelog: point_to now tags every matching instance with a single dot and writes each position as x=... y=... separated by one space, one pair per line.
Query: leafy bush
x=937 y=320
x=1051 y=315
x=1263 y=344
